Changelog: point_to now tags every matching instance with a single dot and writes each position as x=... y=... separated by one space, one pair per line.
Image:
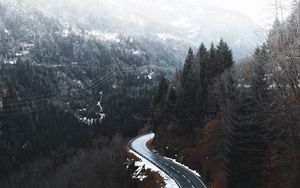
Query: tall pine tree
x=224 y=56
x=160 y=100
x=187 y=66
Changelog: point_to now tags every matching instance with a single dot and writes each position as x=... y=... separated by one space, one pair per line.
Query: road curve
x=184 y=177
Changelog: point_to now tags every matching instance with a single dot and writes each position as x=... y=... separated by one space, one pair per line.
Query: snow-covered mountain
x=184 y=23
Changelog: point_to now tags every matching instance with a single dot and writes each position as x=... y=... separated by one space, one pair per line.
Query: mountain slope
x=190 y=22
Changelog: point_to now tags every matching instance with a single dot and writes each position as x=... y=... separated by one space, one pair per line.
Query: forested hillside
x=79 y=79
x=175 y=25
x=64 y=95
x=237 y=124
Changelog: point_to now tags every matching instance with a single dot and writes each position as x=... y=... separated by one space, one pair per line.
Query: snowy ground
x=143 y=164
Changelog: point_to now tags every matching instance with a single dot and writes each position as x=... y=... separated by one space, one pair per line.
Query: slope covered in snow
x=188 y=22
x=144 y=164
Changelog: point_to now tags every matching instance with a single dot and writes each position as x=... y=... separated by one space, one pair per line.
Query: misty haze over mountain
x=188 y=23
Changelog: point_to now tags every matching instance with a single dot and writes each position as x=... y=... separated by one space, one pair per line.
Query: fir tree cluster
x=186 y=101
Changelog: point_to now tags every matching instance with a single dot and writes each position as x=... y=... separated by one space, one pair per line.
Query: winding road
x=184 y=177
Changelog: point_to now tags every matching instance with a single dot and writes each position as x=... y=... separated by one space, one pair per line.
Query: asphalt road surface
x=181 y=175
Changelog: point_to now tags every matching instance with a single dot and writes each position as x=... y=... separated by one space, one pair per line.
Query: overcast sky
x=261 y=11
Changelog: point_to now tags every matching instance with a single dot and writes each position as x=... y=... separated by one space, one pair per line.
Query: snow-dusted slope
x=190 y=21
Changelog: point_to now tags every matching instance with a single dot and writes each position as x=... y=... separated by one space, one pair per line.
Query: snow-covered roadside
x=184 y=166
x=144 y=164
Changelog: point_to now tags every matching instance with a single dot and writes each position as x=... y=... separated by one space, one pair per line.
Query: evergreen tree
x=224 y=56
x=260 y=83
x=170 y=108
x=202 y=84
x=160 y=100
x=249 y=155
x=163 y=88
x=187 y=66
x=212 y=52
x=202 y=62
x=212 y=60
x=250 y=151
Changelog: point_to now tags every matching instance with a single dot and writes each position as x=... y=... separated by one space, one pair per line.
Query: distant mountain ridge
x=186 y=23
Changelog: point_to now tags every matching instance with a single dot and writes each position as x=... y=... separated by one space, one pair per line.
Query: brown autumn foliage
x=149 y=144
x=154 y=180
x=201 y=154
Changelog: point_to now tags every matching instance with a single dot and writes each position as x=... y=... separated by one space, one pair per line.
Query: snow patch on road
x=144 y=164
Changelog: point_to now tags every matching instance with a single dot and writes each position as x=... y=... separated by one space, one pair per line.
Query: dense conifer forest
x=65 y=101
x=236 y=123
